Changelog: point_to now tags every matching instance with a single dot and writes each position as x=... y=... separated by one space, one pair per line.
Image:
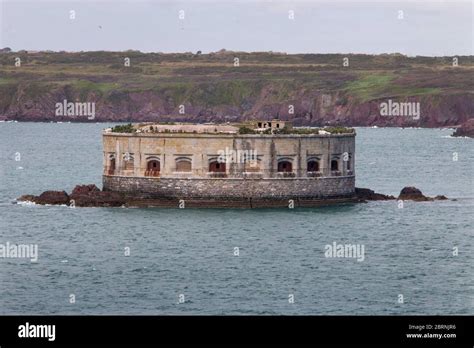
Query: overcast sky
x=422 y=28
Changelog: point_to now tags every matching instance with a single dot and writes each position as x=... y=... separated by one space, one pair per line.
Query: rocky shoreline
x=263 y=87
x=465 y=130
x=92 y=196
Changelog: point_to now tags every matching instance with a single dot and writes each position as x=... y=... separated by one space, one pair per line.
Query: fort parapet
x=258 y=161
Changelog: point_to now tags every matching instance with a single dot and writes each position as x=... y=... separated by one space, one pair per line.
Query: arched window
x=334 y=165
x=111 y=168
x=183 y=164
x=313 y=166
x=285 y=166
x=152 y=168
x=153 y=165
x=216 y=167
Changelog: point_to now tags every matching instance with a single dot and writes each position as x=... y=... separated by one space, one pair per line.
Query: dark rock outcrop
x=411 y=193
x=81 y=196
x=27 y=198
x=465 y=130
x=52 y=197
x=365 y=194
x=92 y=196
x=84 y=190
x=441 y=198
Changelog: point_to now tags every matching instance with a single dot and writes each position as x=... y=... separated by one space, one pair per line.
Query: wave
x=26 y=203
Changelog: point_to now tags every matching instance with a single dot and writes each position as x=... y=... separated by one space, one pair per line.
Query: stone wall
x=342 y=186
x=201 y=149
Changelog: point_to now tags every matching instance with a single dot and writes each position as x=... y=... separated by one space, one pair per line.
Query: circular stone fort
x=255 y=164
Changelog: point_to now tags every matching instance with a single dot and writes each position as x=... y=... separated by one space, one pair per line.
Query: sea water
x=418 y=257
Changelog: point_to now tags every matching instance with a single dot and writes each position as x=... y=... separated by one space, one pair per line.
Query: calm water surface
x=408 y=251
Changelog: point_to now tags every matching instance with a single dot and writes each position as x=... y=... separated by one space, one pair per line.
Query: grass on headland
x=370 y=86
x=376 y=86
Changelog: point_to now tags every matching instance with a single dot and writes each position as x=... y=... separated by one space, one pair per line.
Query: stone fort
x=260 y=163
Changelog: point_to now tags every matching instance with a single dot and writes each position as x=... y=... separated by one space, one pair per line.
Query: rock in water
x=91 y=196
x=84 y=189
x=465 y=130
x=27 y=198
x=52 y=197
x=365 y=194
x=413 y=194
x=440 y=198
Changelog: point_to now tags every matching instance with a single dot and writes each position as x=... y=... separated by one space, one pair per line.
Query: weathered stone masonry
x=287 y=188
x=184 y=164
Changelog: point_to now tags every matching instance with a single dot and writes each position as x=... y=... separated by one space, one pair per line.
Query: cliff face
x=307 y=89
x=310 y=108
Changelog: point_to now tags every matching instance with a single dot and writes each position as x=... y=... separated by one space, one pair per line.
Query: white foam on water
x=26 y=203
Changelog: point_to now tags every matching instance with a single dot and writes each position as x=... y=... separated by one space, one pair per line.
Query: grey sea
x=419 y=258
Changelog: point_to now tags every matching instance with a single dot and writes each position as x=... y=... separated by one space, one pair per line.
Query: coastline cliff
x=308 y=89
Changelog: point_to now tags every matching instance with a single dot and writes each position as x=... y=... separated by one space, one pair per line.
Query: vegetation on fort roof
x=246 y=130
x=299 y=130
x=312 y=130
x=339 y=130
x=287 y=130
x=123 y=128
